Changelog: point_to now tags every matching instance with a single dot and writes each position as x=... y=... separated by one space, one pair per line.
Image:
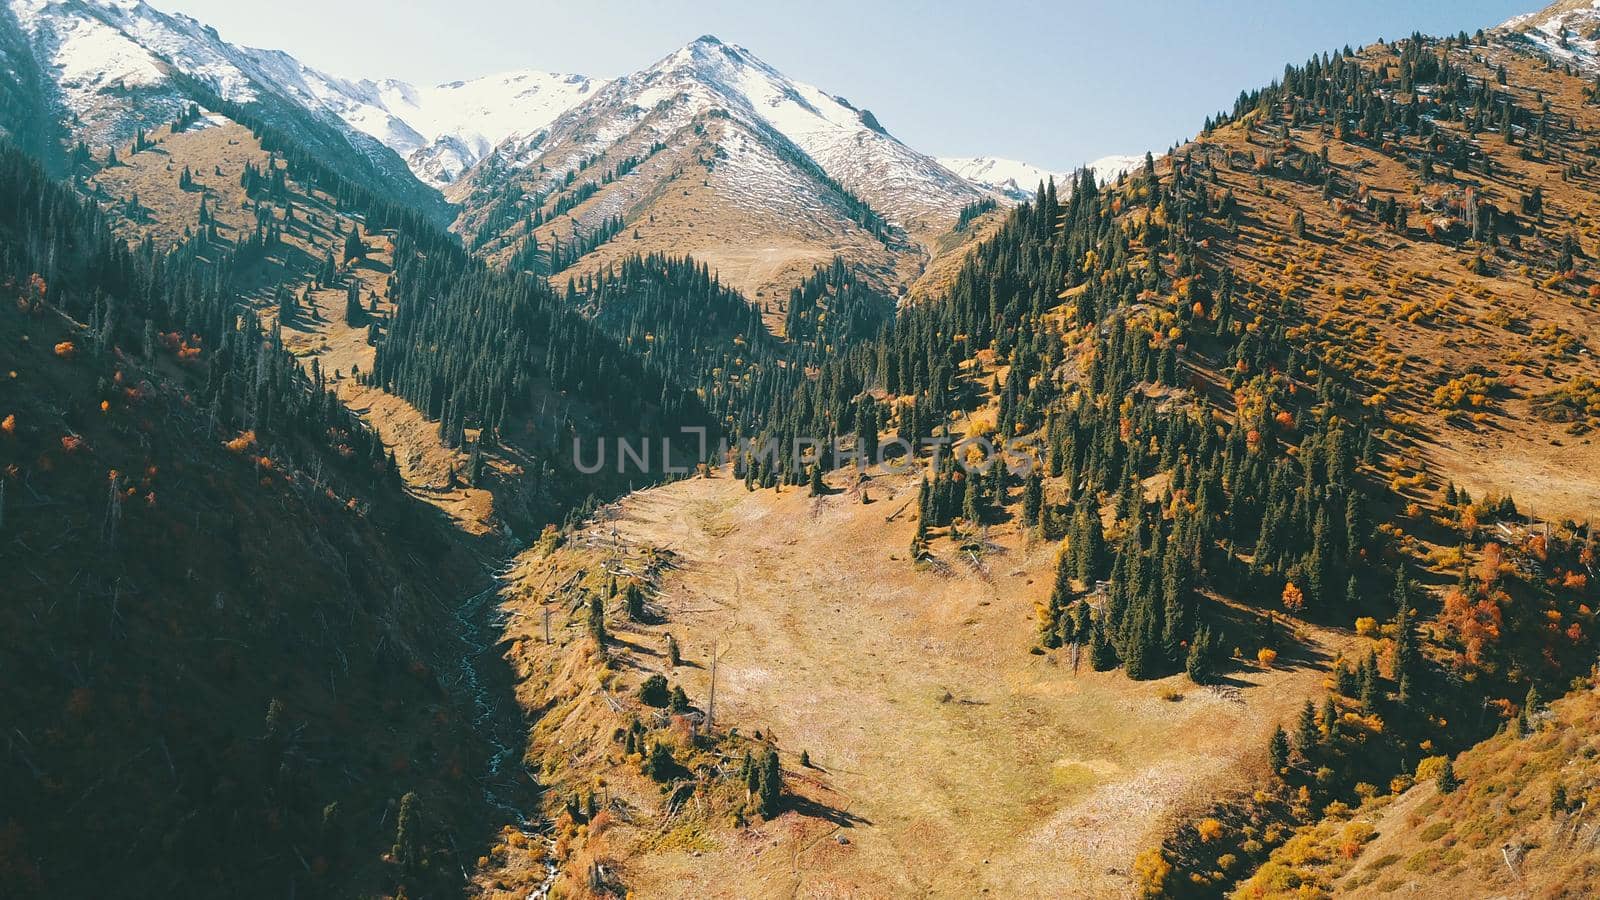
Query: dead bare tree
x=108 y=532
x=711 y=699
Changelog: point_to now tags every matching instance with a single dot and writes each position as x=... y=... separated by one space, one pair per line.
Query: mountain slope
x=709 y=76
x=1567 y=31
x=104 y=70
x=232 y=643
x=1517 y=823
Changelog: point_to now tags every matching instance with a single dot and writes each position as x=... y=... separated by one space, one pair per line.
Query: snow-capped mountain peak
x=97 y=71
x=709 y=75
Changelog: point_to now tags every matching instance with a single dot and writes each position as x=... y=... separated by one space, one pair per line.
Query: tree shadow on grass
x=805 y=806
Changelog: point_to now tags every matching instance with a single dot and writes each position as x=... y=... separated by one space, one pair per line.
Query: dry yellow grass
x=955 y=760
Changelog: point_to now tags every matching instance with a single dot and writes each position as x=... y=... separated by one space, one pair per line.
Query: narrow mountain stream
x=507 y=785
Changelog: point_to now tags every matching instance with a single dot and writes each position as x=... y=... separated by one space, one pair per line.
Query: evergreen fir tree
x=1278 y=750
x=1305 y=735
x=770 y=786
x=1369 y=682
x=1102 y=656
x=1197 y=662
x=597 y=618
x=1446 y=779
x=407 y=850
x=1032 y=499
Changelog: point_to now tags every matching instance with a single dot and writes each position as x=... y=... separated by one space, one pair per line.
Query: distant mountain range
x=709 y=138
x=1020 y=180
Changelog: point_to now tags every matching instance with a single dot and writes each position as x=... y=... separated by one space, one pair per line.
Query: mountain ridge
x=112 y=69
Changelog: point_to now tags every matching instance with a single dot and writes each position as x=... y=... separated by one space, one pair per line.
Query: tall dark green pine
x=407 y=850
x=1405 y=654
x=1197 y=662
x=1060 y=596
x=597 y=618
x=1032 y=499
x=1278 y=750
x=1102 y=656
x=1369 y=682
x=1305 y=732
x=353 y=313
x=1446 y=780
x=971 y=502
x=770 y=786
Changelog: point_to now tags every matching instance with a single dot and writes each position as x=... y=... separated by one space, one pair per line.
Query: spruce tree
x=1056 y=606
x=1102 y=656
x=1446 y=779
x=1278 y=750
x=1305 y=734
x=354 y=247
x=770 y=785
x=1197 y=663
x=1405 y=654
x=970 y=502
x=354 y=315
x=1032 y=499
x=1369 y=682
x=597 y=618
x=1344 y=680
x=407 y=850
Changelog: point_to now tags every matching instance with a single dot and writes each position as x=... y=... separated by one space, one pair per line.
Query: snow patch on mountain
x=112 y=61
x=111 y=67
x=1568 y=31
x=444 y=130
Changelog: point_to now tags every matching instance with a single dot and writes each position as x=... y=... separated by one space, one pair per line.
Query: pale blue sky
x=1054 y=84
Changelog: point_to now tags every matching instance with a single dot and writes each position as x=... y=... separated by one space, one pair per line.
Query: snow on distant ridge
x=1019 y=180
x=444 y=130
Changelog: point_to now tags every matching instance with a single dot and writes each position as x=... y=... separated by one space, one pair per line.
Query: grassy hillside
x=1512 y=819
x=1471 y=316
